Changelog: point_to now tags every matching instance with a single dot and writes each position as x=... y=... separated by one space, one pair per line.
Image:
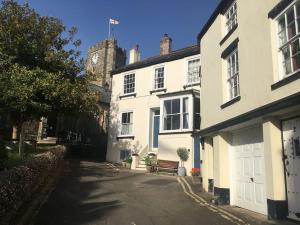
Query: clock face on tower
x=95 y=58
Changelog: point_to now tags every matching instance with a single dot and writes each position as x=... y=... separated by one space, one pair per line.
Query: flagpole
x=108 y=29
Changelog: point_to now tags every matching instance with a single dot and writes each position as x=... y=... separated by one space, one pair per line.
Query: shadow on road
x=78 y=197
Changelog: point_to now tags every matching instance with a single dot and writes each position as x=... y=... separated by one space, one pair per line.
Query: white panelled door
x=291 y=143
x=248 y=170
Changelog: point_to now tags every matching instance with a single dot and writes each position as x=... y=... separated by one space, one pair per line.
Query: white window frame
x=288 y=41
x=154 y=77
x=123 y=83
x=121 y=124
x=187 y=70
x=230 y=76
x=231 y=22
x=190 y=112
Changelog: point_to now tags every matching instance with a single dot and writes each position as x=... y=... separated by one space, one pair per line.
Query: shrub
x=183 y=154
x=18 y=184
x=147 y=160
x=129 y=160
x=3 y=154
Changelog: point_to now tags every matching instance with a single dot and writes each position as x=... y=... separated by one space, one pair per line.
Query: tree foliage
x=40 y=66
x=40 y=70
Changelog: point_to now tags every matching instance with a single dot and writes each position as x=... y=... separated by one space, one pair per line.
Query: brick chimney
x=134 y=54
x=165 y=45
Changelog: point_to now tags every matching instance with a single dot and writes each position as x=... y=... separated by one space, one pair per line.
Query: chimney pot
x=134 y=54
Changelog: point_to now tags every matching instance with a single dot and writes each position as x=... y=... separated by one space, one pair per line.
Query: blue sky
x=141 y=22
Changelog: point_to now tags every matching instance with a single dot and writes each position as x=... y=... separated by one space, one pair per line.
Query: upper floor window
x=193 y=75
x=233 y=75
x=288 y=39
x=129 y=83
x=159 y=78
x=231 y=17
x=126 y=123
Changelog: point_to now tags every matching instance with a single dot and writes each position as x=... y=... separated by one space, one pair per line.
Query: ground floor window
x=126 y=123
x=176 y=113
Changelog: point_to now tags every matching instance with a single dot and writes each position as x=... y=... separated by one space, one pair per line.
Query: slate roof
x=174 y=55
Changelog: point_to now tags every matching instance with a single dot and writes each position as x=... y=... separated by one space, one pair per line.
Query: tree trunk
x=21 y=139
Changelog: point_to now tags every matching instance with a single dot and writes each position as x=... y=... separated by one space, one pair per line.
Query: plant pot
x=181 y=171
x=149 y=168
x=128 y=165
x=124 y=164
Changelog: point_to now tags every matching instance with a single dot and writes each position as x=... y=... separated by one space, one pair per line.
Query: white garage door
x=248 y=170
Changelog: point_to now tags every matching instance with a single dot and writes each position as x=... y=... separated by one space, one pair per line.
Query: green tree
x=41 y=68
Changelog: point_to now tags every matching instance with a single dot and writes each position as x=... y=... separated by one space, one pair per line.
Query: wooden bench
x=166 y=166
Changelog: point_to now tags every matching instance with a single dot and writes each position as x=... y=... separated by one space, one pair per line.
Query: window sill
x=191 y=85
x=230 y=48
x=158 y=90
x=127 y=95
x=175 y=132
x=232 y=101
x=228 y=34
x=286 y=81
x=125 y=137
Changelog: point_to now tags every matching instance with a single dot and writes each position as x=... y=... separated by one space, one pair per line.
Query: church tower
x=104 y=57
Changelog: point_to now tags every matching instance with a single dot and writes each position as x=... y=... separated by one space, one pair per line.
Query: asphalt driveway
x=93 y=193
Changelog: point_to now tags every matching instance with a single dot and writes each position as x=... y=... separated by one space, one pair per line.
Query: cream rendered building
x=250 y=105
x=155 y=106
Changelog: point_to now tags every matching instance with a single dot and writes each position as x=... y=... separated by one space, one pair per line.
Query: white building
x=155 y=106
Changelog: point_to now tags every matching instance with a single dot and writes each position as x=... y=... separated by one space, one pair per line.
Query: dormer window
x=231 y=17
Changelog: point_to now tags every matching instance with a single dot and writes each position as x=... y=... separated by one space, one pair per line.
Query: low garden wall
x=18 y=184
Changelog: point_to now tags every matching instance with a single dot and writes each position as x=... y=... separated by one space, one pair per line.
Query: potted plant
x=195 y=173
x=183 y=154
x=148 y=163
x=128 y=162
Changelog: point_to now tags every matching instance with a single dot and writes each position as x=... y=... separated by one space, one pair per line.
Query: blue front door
x=155 y=131
x=197 y=152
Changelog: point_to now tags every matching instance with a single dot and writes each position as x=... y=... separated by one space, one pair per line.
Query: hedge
x=18 y=184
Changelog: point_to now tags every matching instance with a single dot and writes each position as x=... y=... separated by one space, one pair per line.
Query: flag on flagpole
x=115 y=22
